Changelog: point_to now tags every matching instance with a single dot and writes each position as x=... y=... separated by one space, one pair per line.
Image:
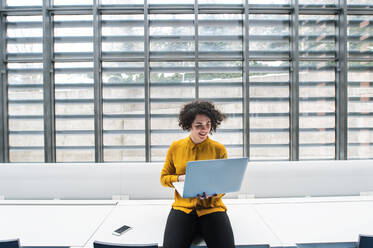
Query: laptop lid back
x=214 y=176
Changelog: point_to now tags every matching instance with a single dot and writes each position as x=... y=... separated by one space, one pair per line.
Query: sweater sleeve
x=168 y=175
x=223 y=153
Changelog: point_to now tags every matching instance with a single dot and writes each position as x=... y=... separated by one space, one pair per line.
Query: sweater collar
x=192 y=145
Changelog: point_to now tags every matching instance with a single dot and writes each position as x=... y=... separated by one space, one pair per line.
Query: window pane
x=172 y=85
x=74 y=111
x=221 y=82
x=19 y=3
x=123 y=36
x=107 y=2
x=171 y=36
x=360 y=127
x=220 y=79
x=317 y=3
x=317 y=110
x=269 y=35
x=170 y=2
x=172 y=79
x=269 y=2
x=360 y=110
x=124 y=154
x=317 y=35
x=26 y=125
x=73 y=36
x=123 y=80
x=360 y=38
x=124 y=111
x=70 y=154
x=360 y=3
x=72 y=2
x=219 y=33
x=219 y=2
x=269 y=110
x=24 y=37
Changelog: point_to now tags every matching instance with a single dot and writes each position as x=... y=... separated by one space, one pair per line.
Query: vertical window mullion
x=294 y=83
x=147 y=82
x=196 y=55
x=98 y=103
x=48 y=84
x=4 y=143
x=341 y=84
x=245 y=78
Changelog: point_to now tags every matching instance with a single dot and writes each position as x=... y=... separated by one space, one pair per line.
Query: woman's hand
x=204 y=196
x=181 y=178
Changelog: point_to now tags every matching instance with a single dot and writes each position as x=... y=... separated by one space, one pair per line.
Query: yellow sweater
x=179 y=153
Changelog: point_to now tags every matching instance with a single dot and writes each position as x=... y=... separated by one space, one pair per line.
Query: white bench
x=142 y=180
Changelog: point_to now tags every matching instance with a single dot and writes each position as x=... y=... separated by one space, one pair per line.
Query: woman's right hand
x=181 y=178
x=205 y=196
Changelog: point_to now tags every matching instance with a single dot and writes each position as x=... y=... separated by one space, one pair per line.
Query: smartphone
x=121 y=230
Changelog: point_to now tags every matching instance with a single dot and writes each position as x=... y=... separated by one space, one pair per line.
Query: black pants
x=182 y=228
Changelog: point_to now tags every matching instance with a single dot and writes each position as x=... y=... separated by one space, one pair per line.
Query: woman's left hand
x=204 y=196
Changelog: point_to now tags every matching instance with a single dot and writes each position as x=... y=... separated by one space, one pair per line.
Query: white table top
x=51 y=224
x=248 y=227
x=278 y=222
x=318 y=222
x=149 y=220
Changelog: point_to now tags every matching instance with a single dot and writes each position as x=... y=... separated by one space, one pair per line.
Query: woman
x=204 y=215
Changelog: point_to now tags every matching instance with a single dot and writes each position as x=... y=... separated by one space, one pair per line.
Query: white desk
x=48 y=223
x=148 y=219
x=277 y=222
x=319 y=220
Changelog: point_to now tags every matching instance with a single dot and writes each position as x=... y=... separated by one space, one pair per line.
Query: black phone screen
x=122 y=229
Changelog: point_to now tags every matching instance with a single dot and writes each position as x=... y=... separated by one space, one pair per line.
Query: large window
x=74 y=89
x=360 y=86
x=269 y=86
x=25 y=88
x=108 y=78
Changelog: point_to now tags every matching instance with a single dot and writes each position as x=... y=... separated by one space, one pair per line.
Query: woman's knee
x=217 y=230
x=180 y=230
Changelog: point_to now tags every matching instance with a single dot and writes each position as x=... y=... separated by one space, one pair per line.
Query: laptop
x=212 y=176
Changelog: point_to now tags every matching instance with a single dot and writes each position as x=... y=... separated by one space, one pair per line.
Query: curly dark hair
x=189 y=111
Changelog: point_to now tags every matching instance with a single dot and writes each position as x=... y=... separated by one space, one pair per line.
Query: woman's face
x=200 y=130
